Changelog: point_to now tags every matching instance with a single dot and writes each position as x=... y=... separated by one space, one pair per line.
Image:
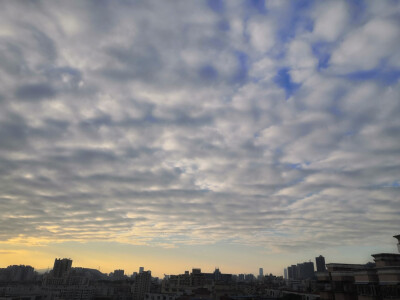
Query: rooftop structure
x=379 y=280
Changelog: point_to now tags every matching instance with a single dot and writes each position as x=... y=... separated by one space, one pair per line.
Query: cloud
x=34 y=92
x=361 y=50
x=262 y=34
x=198 y=123
x=331 y=19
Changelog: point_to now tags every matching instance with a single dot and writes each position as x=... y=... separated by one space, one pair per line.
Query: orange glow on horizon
x=114 y=256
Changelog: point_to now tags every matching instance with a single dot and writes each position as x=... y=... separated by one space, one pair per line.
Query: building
x=142 y=285
x=141 y=269
x=398 y=241
x=291 y=272
x=19 y=291
x=320 y=262
x=301 y=271
x=65 y=282
x=285 y=274
x=260 y=273
x=160 y=296
x=61 y=267
x=217 y=274
x=338 y=281
x=381 y=281
x=249 y=277
x=305 y=270
x=119 y=274
x=373 y=281
x=16 y=273
x=182 y=283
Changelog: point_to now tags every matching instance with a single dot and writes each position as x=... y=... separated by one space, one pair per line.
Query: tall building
x=301 y=271
x=141 y=269
x=305 y=270
x=320 y=262
x=285 y=275
x=217 y=274
x=292 y=272
x=61 y=267
x=261 y=272
x=142 y=285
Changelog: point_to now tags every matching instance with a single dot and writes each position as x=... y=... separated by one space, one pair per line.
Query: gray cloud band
x=155 y=124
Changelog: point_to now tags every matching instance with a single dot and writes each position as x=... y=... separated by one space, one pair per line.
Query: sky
x=176 y=134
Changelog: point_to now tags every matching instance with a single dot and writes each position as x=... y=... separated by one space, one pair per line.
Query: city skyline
x=62 y=266
x=239 y=134
x=378 y=279
x=158 y=271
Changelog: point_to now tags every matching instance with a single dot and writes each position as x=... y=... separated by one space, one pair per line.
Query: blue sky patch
x=259 y=5
x=284 y=80
x=208 y=72
x=384 y=76
x=322 y=52
x=216 y=5
x=242 y=72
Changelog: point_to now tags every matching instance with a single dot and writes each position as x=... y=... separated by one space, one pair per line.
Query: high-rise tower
x=141 y=285
x=320 y=262
x=61 y=267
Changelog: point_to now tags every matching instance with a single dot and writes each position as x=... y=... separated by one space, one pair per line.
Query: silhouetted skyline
x=378 y=279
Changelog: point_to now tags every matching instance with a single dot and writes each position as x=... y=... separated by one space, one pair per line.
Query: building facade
x=142 y=285
x=320 y=262
x=61 y=267
x=373 y=281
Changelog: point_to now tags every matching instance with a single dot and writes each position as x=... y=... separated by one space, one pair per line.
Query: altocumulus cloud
x=187 y=122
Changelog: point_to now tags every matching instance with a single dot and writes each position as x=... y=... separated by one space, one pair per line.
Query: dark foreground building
x=373 y=281
x=320 y=261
